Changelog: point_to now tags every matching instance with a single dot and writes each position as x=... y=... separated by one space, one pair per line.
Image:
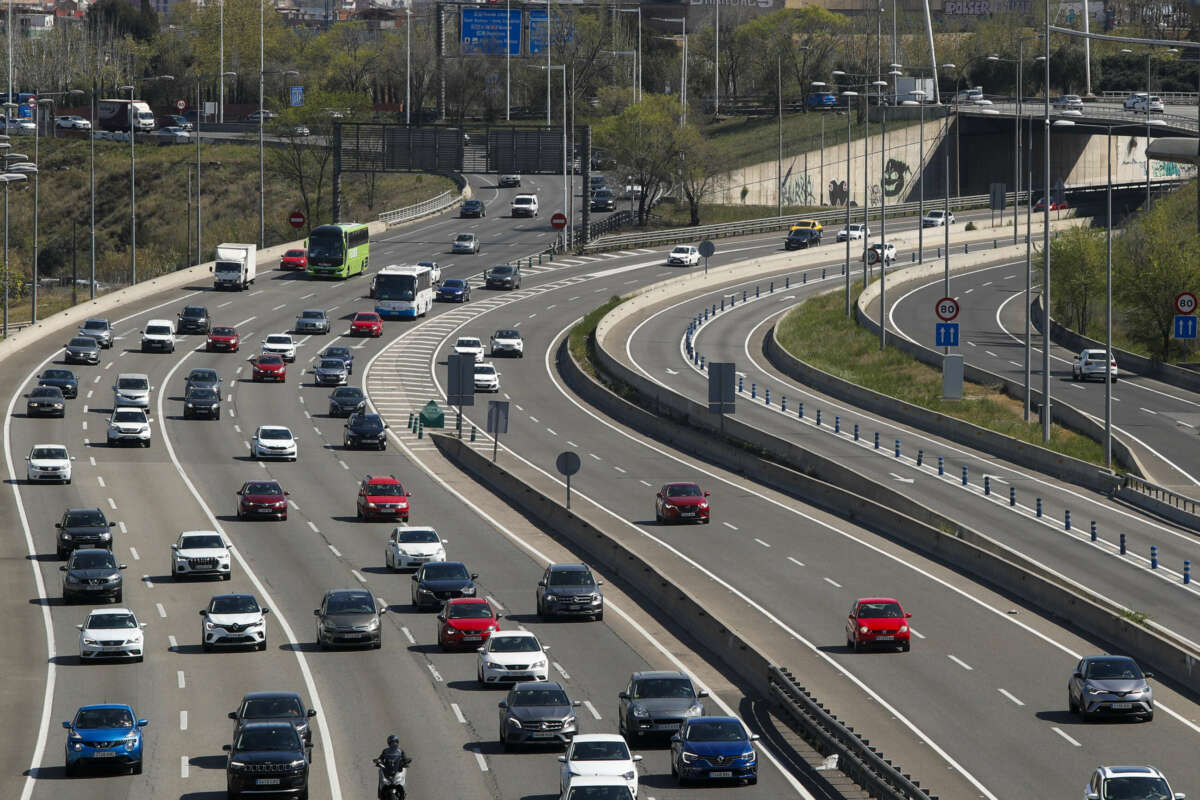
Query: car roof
x=262 y=695
x=228 y=595
x=681 y=483
x=49 y=444
x=141 y=375
x=710 y=718
x=313 y=311
x=80 y=510
x=467 y=601
x=1112 y=772
x=381 y=480
x=150 y=322
x=97 y=706
x=599 y=737
x=110 y=610
x=659 y=673
x=570 y=568
x=507 y=635
x=338 y=592
x=877 y=600
x=537 y=685
x=200 y=533
x=263 y=480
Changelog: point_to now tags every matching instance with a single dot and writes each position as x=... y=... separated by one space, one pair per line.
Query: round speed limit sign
x=946 y=309
x=1185 y=303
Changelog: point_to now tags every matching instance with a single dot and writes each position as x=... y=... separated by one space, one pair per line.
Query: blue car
x=337 y=351
x=108 y=735
x=454 y=290
x=822 y=100
x=714 y=748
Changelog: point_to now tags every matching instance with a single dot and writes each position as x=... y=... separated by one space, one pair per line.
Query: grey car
x=202 y=378
x=202 y=402
x=537 y=713
x=465 y=243
x=502 y=276
x=312 y=320
x=569 y=590
x=345 y=401
x=274 y=707
x=92 y=573
x=82 y=350
x=349 y=617
x=330 y=372
x=98 y=329
x=46 y=401
x=1110 y=685
x=657 y=703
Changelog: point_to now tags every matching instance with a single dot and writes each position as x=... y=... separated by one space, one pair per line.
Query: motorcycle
x=391 y=780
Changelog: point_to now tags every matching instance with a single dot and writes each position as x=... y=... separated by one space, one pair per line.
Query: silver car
x=98 y=329
x=1110 y=685
x=330 y=372
x=657 y=703
x=131 y=389
x=312 y=320
x=465 y=243
x=537 y=713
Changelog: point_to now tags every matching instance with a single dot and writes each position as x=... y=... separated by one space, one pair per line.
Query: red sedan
x=269 y=367
x=877 y=621
x=382 y=497
x=1055 y=205
x=294 y=259
x=223 y=338
x=366 y=323
x=681 y=502
x=466 y=622
x=262 y=499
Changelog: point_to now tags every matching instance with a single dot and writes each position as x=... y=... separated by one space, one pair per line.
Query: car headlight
x=208 y=626
x=668 y=505
x=1094 y=690
x=514 y=721
x=470 y=591
x=72 y=578
x=236 y=764
x=863 y=629
x=296 y=764
x=373 y=625
x=704 y=505
x=538 y=664
x=551 y=598
x=638 y=711
x=694 y=711
x=629 y=775
x=687 y=757
x=904 y=629
x=596 y=597
x=89 y=641
x=748 y=755
x=131 y=743
x=77 y=745
x=191 y=405
x=423 y=590
x=66 y=537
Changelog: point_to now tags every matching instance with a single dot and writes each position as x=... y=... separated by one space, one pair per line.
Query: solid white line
x=408 y=635
x=961 y=663
x=915 y=632
x=588 y=705
x=1148 y=411
x=561 y=671
x=458 y=715
x=647 y=483
x=334 y=550
x=162 y=612
x=551 y=432
x=494 y=602
x=358 y=575
x=1059 y=731
x=245 y=322
x=172 y=642
x=760 y=541
x=1011 y=696
x=183 y=720
x=832 y=583
x=179 y=679
x=312 y=525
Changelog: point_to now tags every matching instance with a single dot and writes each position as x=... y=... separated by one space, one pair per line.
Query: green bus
x=339 y=250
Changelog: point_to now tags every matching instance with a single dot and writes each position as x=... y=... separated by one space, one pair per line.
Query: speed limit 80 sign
x=1185 y=303
x=946 y=309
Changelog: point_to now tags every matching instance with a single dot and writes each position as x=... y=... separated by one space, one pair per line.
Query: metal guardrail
x=425 y=207
x=1153 y=490
x=1090 y=111
x=1176 y=98
x=857 y=759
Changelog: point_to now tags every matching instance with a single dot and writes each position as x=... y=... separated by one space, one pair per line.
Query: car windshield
x=233 y=604
x=599 y=793
x=514 y=644
x=351 y=393
x=194 y=311
x=935 y=213
x=91 y=718
x=87 y=519
x=445 y=572
x=57 y=375
x=294 y=254
x=469 y=611
x=202 y=394
x=393 y=287
x=351 y=603
x=1139 y=787
x=274 y=433
x=312 y=314
x=366 y=316
x=132 y=383
x=538 y=697
x=158 y=330
x=571 y=577
x=82 y=341
x=454 y=283
x=604 y=193
x=202 y=540
x=100 y=559
x=337 y=352
x=46 y=391
x=523 y=201
x=485 y=369
x=714 y=731
x=385 y=490
x=1113 y=669
x=223 y=332
x=333 y=363
x=370 y=422
x=502 y=269
x=49 y=452
x=274 y=737
x=129 y=415
x=417 y=537
x=279 y=338
x=663 y=687
x=465 y=237
x=263 y=487
x=95 y=325
x=599 y=751
x=110 y=621
x=468 y=343
x=508 y=333
x=684 y=490
x=206 y=375
x=270 y=360
x=681 y=250
x=880 y=610
x=272 y=708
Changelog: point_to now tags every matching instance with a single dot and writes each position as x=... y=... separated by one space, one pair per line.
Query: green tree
x=642 y=140
x=698 y=170
x=1077 y=270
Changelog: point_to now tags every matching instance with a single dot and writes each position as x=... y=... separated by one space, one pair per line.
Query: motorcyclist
x=390 y=762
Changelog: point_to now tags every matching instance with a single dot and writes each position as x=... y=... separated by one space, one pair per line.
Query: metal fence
x=1153 y=490
x=1091 y=111
x=1170 y=98
x=418 y=210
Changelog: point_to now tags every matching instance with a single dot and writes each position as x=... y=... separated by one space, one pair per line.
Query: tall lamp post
x=683 y=68
x=132 y=174
x=866 y=87
x=633 y=60
x=848 y=95
x=638 y=80
x=1019 y=61
x=262 y=180
x=40 y=99
x=6 y=179
x=1149 y=122
x=566 y=185
x=199 y=115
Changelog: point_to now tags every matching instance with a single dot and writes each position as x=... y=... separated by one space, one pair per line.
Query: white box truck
x=116 y=115
x=235 y=266
x=905 y=86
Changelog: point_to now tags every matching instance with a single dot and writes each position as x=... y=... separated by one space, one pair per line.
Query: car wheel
x=856 y=645
x=752 y=781
x=479 y=676
x=541 y=612
x=71 y=770
x=905 y=647
x=136 y=769
x=1149 y=717
x=62 y=555
x=1072 y=706
x=503 y=741
x=599 y=617
x=119 y=596
x=321 y=642
x=658 y=517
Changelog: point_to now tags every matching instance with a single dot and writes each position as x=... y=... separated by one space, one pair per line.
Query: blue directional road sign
x=296 y=95
x=1185 y=326
x=946 y=334
x=483 y=31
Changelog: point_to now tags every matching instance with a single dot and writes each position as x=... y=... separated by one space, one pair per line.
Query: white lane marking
x=551 y=432
x=90 y=393
x=173 y=642
x=995 y=478
x=618 y=469
x=337 y=553
x=647 y=483
x=183 y=766
x=310 y=294
x=901 y=478
x=180 y=679
x=97 y=380
x=408 y=635
x=593 y=455
x=437 y=676
x=84 y=425
x=146 y=580
x=760 y=541
x=458 y=715
x=281 y=305
x=588 y=705
x=344 y=464
x=312 y=525
x=85 y=408
x=915 y=632
x=1060 y=732
x=561 y=671
x=794 y=561
x=479 y=759
x=1184 y=424
x=358 y=575
x=730 y=525
x=961 y=663
x=133 y=552
x=1148 y=411
x=572 y=444
x=100 y=480
x=237 y=427
x=183 y=719
x=494 y=602
x=533 y=420
x=832 y=583
x=990 y=353
x=92 y=460
x=112 y=504
x=244 y=322
x=1016 y=363
x=1011 y=696
x=162 y=612
x=226 y=303
x=968 y=291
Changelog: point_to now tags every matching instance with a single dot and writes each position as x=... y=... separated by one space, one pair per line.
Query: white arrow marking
x=902 y=480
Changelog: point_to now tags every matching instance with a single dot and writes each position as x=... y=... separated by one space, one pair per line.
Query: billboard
x=483 y=31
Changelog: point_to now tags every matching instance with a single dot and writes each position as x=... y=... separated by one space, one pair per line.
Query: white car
x=131 y=389
x=599 y=754
x=508 y=342
x=469 y=346
x=49 y=462
x=110 y=633
x=487 y=379
x=683 y=255
x=281 y=344
x=201 y=553
x=172 y=134
x=1069 y=101
x=1137 y=102
x=18 y=126
x=525 y=205
x=235 y=620
x=274 y=441
x=587 y=787
x=409 y=548
x=1090 y=364
x=72 y=121
x=1135 y=782
x=512 y=657
x=435 y=272
x=159 y=335
x=877 y=252
x=937 y=218
x=129 y=425
x=854 y=231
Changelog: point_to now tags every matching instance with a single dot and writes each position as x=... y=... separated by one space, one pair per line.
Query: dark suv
x=202 y=378
x=274 y=707
x=569 y=590
x=438 y=581
x=194 y=319
x=202 y=402
x=657 y=702
x=83 y=527
x=346 y=400
x=365 y=430
x=266 y=757
x=802 y=239
x=349 y=617
x=92 y=574
x=472 y=208
x=537 y=713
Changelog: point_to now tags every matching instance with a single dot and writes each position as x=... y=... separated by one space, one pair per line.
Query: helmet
x=393 y=741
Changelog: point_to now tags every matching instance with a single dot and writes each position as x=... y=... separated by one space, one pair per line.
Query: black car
x=202 y=378
x=274 y=707
x=349 y=617
x=438 y=581
x=194 y=319
x=83 y=527
x=82 y=350
x=346 y=400
x=569 y=590
x=100 y=330
x=64 y=379
x=45 y=401
x=92 y=574
x=266 y=757
x=802 y=239
x=472 y=208
x=603 y=200
x=201 y=401
x=365 y=430
x=502 y=276
x=338 y=351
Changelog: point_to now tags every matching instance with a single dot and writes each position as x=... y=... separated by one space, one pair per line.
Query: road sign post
x=558 y=221
x=1185 y=326
x=295 y=96
x=707 y=248
x=946 y=309
x=946 y=334
x=497 y=423
x=567 y=464
x=297 y=219
x=460 y=384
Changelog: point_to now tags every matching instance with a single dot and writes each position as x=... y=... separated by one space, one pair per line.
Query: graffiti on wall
x=874 y=194
x=797 y=190
x=838 y=193
x=895 y=174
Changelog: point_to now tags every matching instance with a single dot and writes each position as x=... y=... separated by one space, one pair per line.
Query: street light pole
x=507 y=57
x=717 y=62
x=848 y=95
x=408 y=64
x=1046 y=241
x=133 y=174
x=638 y=78
x=92 y=192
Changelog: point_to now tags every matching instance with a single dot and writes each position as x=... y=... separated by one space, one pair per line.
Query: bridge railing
x=1170 y=98
x=417 y=210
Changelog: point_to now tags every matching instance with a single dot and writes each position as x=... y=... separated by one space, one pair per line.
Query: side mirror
x=702 y=693
x=316 y=612
x=204 y=612
x=383 y=610
x=79 y=627
x=675 y=738
x=285 y=494
x=408 y=494
x=62 y=568
x=502 y=704
x=441 y=617
x=232 y=715
x=227 y=748
x=474 y=576
x=637 y=758
x=754 y=737
x=141 y=723
x=143 y=624
x=479 y=649
x=498 y=615
x=312 y=712
x=576 y=703
x=414 y=577
x=623 y=695
x=1092 y=796
x=1148 y=675
x=546 y=648
x=563 y=759
x=174 y=547
x=266 y=611
x=58 y=524
x=112 y=524
x=599 y=583
x=122 y=566
x=66 y=725
x=658 y=495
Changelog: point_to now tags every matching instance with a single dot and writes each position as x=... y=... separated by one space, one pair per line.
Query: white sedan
x=596 y=754
x=880 y=252
x=110 y=633
x=683 y=255
x=274 y=441
x=49 y=462
x=409 y=548
x=937 y=218
x=469 y=346
x=73 y=121
x=281 y=344
x=512 y=657
x=487 y=379
x=854 y=231
x=200 y=553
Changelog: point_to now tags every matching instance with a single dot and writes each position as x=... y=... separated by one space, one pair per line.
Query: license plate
x=1122 y=706
x=104 y=754
x=574 y=608
x=721 y=774
x=541 y=736
x=688 y=514
x=354 y=635
x=472 y=638
x=267 y=782
x=884 y=638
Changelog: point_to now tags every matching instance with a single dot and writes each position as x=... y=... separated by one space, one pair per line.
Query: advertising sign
x=483 y=31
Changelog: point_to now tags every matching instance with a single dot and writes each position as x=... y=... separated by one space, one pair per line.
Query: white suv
x=1113 y=782
x=409 y=548
x=281 y=344
x=129 y=425
x=507 y=341
x=525 y=205
x=200 y=553
x=233 y=620
x=1090 y=364
x=159 y=335
x=469 y=346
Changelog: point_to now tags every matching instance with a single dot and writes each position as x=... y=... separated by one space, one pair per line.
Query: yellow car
x=807 y=224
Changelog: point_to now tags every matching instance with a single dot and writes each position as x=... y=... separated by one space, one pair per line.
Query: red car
x=877 y=621
x=466 y=622
x=382 y=497
x=1055 y=205
x=262 y=499
x=223 y=338
x=681 y=502
x=294 y=259
x=269 y=367
x=366 y=323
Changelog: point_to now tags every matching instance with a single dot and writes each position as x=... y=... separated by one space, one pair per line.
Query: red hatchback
x=262 y=499
x=466 y=622
x=223 y=338
x=269 y=367
x=366 y=323
x=382 y=497
x=294 y=259
x=877 y=621
x=681 y=502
